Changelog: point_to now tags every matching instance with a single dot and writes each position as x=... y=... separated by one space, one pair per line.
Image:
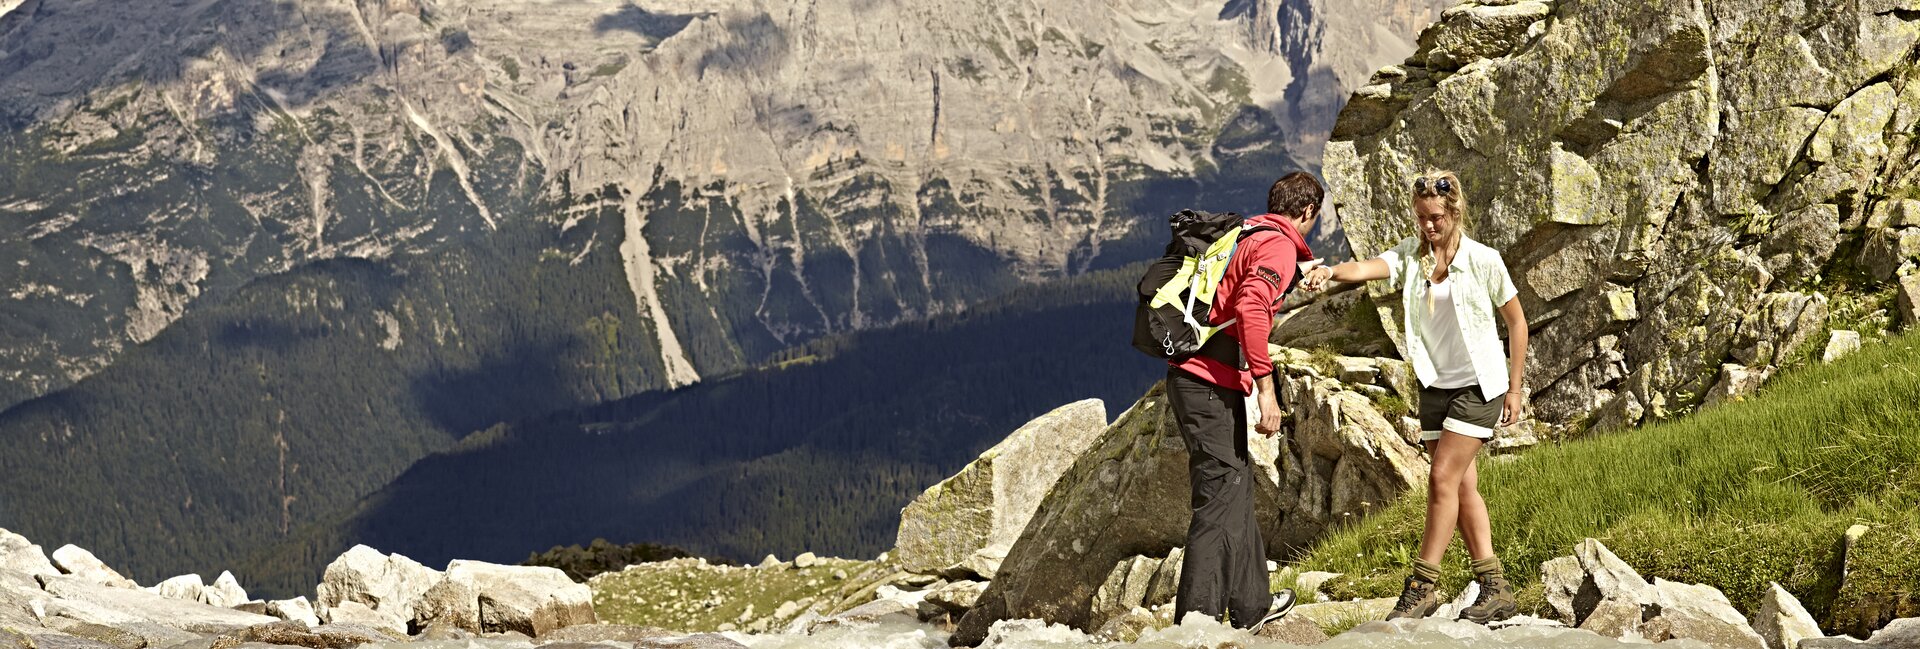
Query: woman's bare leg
x=1475 y=526
x=1453 y=457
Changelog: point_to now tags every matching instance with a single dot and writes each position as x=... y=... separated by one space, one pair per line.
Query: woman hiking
x=1450 y=288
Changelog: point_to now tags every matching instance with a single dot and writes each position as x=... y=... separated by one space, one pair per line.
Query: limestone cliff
x=1689 y=193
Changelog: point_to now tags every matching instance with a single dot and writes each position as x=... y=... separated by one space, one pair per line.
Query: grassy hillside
x=1734 y=497
x=817 y=451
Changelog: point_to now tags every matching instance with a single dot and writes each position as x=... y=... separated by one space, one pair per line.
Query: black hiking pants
x=1225 y=570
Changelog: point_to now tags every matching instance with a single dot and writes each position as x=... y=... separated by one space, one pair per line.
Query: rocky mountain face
x=1690 y=194
x=777 y=171
x=288 y=248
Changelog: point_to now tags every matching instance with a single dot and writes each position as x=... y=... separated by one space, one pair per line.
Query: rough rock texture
x=1127 y=496
x=77 y=561
x=20 y=555
x=1782 y=622
x=384 y=583
x=1596 y=591
x=990 y=501
x=297 y=609
x=1641 y=165
x=526 y=599
x=84 y=601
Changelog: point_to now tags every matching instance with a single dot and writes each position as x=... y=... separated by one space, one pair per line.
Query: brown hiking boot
x=1417 y=600
x=1495 y=602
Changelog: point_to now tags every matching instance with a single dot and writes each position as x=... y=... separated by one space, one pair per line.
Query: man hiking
x=1225 y=569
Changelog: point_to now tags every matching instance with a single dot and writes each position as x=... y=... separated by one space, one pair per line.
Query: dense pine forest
x=817 y=451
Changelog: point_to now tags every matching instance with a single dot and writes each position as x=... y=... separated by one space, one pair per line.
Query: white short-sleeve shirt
x=1477 y=284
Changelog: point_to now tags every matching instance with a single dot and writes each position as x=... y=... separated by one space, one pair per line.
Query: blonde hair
x=1453 y=201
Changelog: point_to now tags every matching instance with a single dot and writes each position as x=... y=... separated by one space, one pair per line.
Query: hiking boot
x=1281 y=606
x=1495 y=602
x=1418 y=599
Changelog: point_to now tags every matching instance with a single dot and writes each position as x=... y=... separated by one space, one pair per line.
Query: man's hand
x=1514 y=405
x=1316 y=279
x=1271 y=416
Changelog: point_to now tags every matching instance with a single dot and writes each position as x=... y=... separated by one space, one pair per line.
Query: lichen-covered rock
x=990 y=501
x=1127 y=496
x=1908 y=300
x=1642 y=165
x=1124 y=590
x=1470 y=32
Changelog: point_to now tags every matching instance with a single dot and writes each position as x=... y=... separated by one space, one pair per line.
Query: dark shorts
x=1459 y=410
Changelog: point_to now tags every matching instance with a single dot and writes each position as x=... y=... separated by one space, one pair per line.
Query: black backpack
x=1176 y=293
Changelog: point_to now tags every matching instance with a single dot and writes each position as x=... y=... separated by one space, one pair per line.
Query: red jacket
x=1262 y=268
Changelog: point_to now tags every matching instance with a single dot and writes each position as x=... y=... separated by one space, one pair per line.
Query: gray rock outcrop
x=527 y=599
x=989 y=502
x=1127 y=496
x=379 y=582
x=1594 y=590
x=1641 y=165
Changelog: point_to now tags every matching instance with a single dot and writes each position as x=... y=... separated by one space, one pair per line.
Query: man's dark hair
x=1293 y=193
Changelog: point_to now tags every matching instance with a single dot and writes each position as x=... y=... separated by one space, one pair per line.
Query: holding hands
x=1316 y=279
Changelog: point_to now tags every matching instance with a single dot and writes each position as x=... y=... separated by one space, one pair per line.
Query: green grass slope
x=1736 y=496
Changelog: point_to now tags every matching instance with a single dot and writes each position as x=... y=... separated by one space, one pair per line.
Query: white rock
x=297 y=609
x=184 y=587
x=388 y=583
x=805 y=560
x=185 y=615
x=77 y=561
x=1782 y=621
x=770 y=562
x=353 y=612
x=527 y=599
x=225 y=591
x=20 y=555
x=1841 y=343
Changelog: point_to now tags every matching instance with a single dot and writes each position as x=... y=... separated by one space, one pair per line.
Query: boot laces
x=1486 y=590
x=1412 y=594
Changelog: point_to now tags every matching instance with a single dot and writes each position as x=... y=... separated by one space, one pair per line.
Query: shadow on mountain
x=501 y=387
x=657 y=26
x=59 y=51
x=817 y=452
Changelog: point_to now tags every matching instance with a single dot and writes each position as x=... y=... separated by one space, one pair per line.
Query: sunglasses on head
x=1440 y=186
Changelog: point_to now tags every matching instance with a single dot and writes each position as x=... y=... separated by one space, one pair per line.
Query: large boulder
x=526 y=599
x=989 y=502
x=385 y=583
x=21 y=555
x=77 y=561
x=1643 y=165
x=1128 y=496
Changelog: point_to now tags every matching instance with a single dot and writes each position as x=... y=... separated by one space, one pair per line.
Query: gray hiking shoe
x=1495 y=602
x=1282 y=605
x=1418 y=599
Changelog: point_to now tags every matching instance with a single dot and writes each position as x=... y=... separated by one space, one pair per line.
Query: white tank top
x=1452 y=364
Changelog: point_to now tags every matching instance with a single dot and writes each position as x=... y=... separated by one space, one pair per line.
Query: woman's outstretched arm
x=1351 y=272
